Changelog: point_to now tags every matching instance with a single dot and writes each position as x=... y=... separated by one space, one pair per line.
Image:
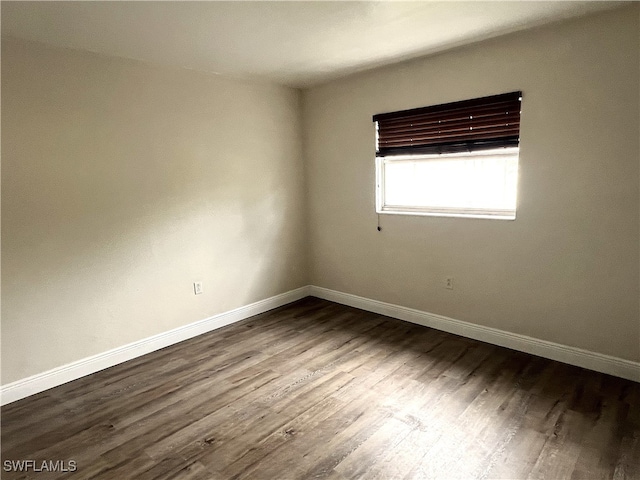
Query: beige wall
x=566 y=270
x=123 y=183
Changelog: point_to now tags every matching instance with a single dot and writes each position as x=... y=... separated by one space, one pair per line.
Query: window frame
x=483 y=126
x=459 y=212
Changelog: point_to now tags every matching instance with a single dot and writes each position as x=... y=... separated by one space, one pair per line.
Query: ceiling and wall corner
x=298 y=44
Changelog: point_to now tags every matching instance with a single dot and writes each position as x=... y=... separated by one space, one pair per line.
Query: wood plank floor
x=319 y=390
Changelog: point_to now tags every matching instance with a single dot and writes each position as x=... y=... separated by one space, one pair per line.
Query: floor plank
x=319 y=390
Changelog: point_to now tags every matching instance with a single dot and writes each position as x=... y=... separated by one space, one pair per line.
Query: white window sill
x=485 y=214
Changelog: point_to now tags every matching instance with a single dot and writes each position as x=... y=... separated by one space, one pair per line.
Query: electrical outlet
x=197 y=288
x=448 y=283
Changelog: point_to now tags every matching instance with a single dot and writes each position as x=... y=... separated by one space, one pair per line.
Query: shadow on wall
x=122 y=185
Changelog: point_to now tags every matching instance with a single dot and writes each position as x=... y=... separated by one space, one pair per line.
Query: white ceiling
x=296 y=43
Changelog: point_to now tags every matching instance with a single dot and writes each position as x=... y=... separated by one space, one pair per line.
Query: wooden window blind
x=465 y=126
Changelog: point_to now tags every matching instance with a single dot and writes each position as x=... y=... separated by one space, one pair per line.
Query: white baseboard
x=72 y=371
x=554 y=351
x=574 y=356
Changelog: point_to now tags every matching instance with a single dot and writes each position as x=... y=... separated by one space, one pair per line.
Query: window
x=456 y=159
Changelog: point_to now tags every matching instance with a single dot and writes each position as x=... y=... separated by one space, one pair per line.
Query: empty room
x=341 y=240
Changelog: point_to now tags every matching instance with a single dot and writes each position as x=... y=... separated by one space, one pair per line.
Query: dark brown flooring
x=319 y=390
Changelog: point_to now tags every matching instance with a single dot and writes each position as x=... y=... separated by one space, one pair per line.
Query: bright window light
x=480 y=184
